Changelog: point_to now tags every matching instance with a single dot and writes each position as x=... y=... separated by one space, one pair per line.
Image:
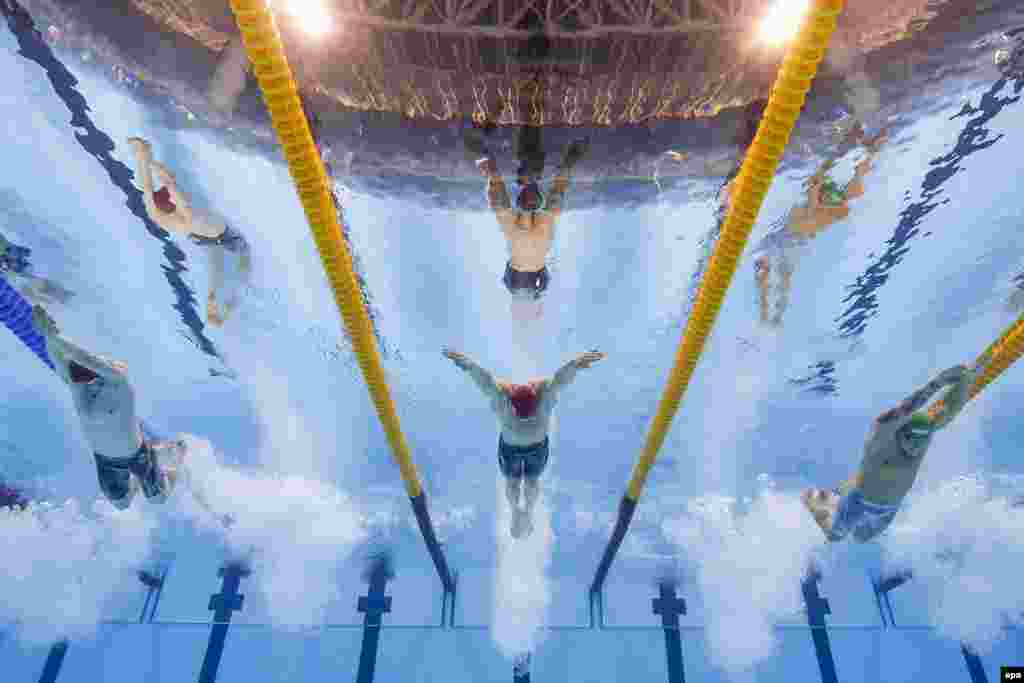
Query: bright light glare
x=311 y=14
x=782 y=21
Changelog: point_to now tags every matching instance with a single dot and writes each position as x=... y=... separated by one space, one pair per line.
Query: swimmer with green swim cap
x=866 y=504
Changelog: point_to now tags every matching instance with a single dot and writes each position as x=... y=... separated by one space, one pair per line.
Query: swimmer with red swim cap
x=524 y=412
x=170 y=209
x=129 y=455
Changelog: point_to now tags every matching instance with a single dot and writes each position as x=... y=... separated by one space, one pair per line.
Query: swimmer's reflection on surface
x=529 y=225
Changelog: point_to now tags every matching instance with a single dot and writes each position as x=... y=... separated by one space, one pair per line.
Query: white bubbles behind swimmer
x=296 y=530
x=61 y=565
x=964 y=543
x=522 y=591
x=747 y=565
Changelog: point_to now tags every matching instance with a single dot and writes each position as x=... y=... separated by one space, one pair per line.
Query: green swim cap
x=920 y=426
x=831 y=194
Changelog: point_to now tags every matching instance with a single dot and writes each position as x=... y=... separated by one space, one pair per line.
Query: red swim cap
x=162 y=199
x=524 y=399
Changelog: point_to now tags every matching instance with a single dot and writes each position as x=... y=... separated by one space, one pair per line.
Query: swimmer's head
x=80 y=374
x=830 y=192
x=530 y=198
x=916 y=434
x=162 y=199
x=524 y=399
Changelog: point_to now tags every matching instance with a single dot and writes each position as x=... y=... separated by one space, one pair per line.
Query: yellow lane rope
x=787 y=98
x=266 y=53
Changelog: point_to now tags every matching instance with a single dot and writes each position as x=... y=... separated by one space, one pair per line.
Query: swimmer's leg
x=531 y=491
x=216 y=260
x=157 y=469
x=762 y=273
x=512 y=486
x=785 y=286
x=245 y=273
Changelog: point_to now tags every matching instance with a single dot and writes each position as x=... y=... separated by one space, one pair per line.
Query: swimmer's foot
x=212 y=315
x=822 y=505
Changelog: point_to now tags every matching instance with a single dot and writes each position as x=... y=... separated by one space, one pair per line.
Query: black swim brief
x=115 y=474
x=229 y=239
x=518 y=462
x=533 y=281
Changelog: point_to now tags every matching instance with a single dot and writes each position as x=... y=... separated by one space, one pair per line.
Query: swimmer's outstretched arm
x=954 y=401
x=63 y=351
x=144 y=164
x=497 y=193
x=144 y=168
x=564 y=376
x=480 y=377
x=106 y=368
x=891 y=420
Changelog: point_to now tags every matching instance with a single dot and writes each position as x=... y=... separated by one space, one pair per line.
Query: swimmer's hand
x=585 y=360
x=461 y=360
x=142 y=148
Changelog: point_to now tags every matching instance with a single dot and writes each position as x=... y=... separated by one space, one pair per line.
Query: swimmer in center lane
x=524 y=413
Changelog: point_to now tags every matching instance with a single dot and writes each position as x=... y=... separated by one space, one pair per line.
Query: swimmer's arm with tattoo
x=889 y=422
x=954 y=401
